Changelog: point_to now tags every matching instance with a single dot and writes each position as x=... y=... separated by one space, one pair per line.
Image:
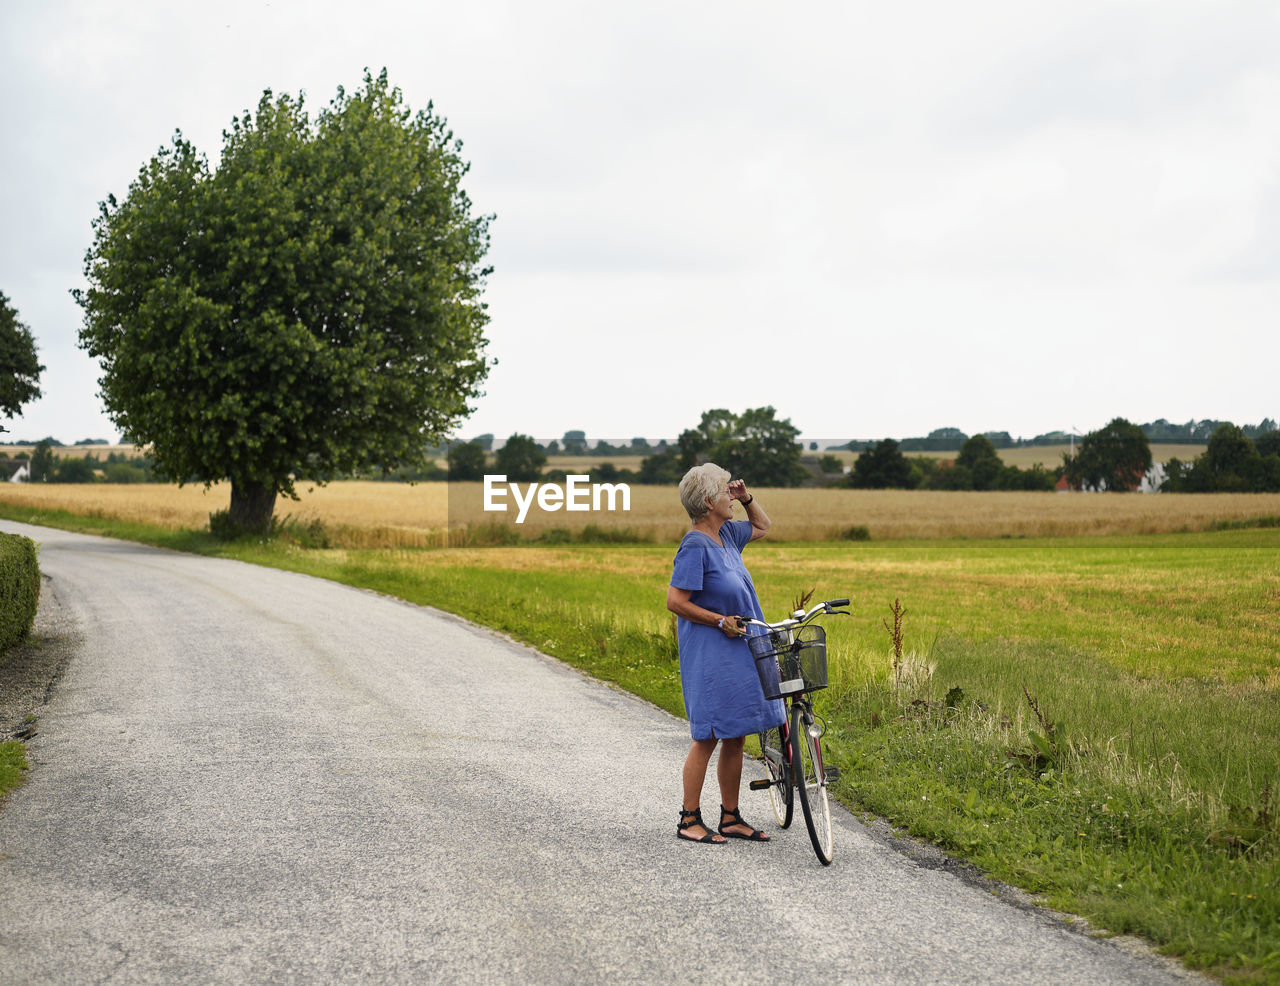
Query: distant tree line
x=1233 y=462
x=1118 y=457
x=54 y=443
x=755 y=445
x=1159 y=432
x=116 y=467
x=947 y=439
x=977 y=467
x=1200 y=432
x=758 y=447
x=762 y=449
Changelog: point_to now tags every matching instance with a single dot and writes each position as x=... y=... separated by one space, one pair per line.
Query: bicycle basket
x=788 y=667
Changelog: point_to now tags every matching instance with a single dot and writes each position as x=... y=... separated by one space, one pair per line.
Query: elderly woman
x=710 y=589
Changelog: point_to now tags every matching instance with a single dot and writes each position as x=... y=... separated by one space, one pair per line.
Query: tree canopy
x=43 y=462
x=520 y=459
x=1268 y=443
x=754 y=446
x=882 y=467
x=466 y=462
x=19 y=368
x=311 y=308
x=1114 y=457
x=575 y=442
x=983 y=464
x=1231 y=463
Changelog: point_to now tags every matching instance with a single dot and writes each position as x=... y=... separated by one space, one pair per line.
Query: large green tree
x=466 y=462
x=882 y=467
x=982 y=463
x=520 y=459
x=309 y=308
x=19 y=367
x=1231 y=459
x=43 y=463
x=1112 y=458
x=662 y=468
x=1268 y=443
x=1232 y=463
x=755 y=446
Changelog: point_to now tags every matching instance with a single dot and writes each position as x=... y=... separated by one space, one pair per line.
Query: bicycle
x=791 y=660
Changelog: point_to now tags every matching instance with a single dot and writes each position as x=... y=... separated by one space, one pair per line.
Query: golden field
x=373 y=514
x=74 y=451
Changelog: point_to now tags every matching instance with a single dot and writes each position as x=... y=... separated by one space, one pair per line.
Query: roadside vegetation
x=13 y=763
x=1092 y=718
x=19 y=595
x=19 y=589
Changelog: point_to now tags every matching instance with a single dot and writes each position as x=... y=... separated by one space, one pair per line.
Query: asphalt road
x=250 y=776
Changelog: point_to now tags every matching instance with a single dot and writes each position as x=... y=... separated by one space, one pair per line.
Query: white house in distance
x=1150 y=483
x=15 y=470
x=1152 y=480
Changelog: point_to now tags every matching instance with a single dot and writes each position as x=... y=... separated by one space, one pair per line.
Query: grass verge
x=13 y=762
x=1093 y=719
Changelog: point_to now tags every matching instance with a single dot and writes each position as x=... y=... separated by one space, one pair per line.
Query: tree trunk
x=252 y=505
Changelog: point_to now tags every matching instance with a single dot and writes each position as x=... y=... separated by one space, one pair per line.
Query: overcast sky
x=879 y=218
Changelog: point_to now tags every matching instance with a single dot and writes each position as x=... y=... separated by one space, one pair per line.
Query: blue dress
x=722 y=694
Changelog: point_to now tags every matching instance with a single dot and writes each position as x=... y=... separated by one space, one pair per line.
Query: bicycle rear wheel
x=774 y=752
x=811 y=783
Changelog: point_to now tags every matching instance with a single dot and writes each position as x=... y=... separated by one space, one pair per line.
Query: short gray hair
x=700 y=484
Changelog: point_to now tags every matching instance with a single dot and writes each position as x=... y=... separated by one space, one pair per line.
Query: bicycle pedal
x=833 y=774
x=760 y=785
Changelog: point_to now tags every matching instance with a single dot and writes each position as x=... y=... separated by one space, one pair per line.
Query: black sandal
x=688 y=819
x=736 y=819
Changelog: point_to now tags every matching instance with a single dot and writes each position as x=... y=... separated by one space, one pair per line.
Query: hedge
x=19 y=588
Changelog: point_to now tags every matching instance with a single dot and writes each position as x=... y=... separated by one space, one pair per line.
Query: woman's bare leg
x=695 y=774
x=729 y=774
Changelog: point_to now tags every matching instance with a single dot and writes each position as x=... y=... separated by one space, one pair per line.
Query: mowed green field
x=1095 y=719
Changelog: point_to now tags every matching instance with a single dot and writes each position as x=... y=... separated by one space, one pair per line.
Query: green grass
x=13 y=762
x=1094 y=719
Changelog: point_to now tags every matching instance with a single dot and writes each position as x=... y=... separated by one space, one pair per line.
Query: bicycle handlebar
x=827 y=607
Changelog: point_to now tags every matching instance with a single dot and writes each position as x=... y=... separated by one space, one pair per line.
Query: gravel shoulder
x=30 y=671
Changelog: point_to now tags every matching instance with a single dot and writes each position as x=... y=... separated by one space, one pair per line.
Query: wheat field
x=374 y=514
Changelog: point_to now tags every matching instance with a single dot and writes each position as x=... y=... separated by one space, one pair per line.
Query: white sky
x=879 y=218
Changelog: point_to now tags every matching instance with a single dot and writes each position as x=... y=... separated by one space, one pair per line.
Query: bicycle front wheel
x=774 y=752
x=811 y=783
